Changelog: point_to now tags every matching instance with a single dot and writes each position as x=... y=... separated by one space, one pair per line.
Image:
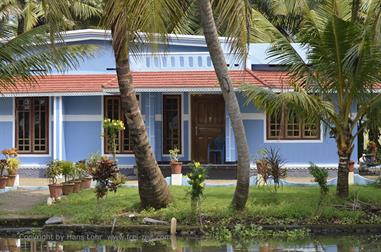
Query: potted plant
x=3 y=179
x=53 y=171
x=67 y=172
x=83 y=174
x=76 y=178
x=175 y=164
x=13 y=164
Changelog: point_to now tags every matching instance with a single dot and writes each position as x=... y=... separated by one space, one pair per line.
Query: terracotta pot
x=176 y=167
x=3 y=182
x=86 y=183
x=351 y=166
x=67 y=188
x=55 y=190
x=77 y=186
x=11 y=180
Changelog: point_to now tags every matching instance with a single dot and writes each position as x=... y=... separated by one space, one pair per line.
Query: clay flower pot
x=11 y=180
x=77 y=186
x=3 y=182
x=55 y=190
x=67 y=188
x=351 y=166
x=176 y=167
x=86 y=183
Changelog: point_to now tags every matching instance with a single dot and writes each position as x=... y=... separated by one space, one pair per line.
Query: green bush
x=197 y=178
x=320 y=175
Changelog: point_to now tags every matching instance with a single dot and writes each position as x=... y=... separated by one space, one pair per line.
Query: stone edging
x=79 y=232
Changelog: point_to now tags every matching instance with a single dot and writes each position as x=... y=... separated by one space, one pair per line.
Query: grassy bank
x=290 y=205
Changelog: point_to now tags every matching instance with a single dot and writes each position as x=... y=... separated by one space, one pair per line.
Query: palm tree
x=127 y=19
x=58 y=14
x=236 y=15
x=36 y=55
x=343 y=65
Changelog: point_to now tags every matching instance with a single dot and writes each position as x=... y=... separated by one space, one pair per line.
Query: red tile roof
x=175 y=79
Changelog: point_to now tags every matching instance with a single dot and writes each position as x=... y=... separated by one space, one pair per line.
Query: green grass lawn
x=290 y=205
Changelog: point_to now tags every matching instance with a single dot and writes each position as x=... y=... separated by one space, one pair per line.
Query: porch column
x=58 y=132
x=230 y=149
x=149 y=111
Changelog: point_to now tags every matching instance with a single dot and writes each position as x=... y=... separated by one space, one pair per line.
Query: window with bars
x=287 y=126
x=32 y=125
x=113 y=110
x=171 y=123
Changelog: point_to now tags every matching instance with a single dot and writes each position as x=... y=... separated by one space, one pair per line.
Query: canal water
x=326 y=244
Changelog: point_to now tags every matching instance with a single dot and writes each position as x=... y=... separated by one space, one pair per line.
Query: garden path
x=21 y=200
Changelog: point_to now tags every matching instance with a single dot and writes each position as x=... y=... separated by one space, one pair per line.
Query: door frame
x=190 y=120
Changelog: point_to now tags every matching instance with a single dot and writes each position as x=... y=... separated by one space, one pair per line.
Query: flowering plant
x=174 y=155
x=10 y=153
x=112 y=128
x=12 y=162
x=197 y=178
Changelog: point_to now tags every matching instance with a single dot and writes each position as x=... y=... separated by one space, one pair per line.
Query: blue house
x=62 y=116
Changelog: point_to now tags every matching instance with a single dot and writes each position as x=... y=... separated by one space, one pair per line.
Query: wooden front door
x=208 y=124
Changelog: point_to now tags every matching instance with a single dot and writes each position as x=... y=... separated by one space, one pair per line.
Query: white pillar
x=176 y=179
x=351 y=178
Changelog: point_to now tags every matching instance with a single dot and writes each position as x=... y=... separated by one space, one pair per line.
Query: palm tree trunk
x=345 y=148
x=218 y=59
x=153 y=189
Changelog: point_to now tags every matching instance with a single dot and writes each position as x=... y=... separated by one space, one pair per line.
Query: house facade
x=62 y=116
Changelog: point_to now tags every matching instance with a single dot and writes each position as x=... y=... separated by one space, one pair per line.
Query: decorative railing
x=180 y=61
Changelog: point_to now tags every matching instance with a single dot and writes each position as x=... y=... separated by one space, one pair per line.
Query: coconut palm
x=127 y=19
x=235 y=19
x=36 y=55
x=57 y=14
x=343 y=66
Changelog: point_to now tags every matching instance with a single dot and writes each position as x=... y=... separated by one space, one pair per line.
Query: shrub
x=275 y=166
x=53 y=171
x=82 y=169
x=320 y=175
x=13 y=165
x=197 y=178
x=68 y=170
x=108 y=178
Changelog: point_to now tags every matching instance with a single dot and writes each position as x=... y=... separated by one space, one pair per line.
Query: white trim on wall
x=253 y=116
x=158 y=117
x=6 y=118
x=82 y=118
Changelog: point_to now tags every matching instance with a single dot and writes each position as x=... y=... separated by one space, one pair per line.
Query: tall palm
x=235 y=18
x=127 y=19
x=343 y=66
